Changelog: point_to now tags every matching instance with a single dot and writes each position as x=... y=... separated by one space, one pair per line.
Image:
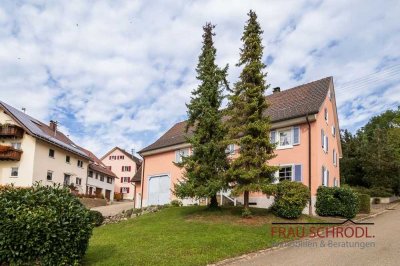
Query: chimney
x=276 y=89
x=53 y=125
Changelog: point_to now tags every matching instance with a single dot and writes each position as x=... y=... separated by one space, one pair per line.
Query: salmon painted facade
x=305 y=128
x=126 y=167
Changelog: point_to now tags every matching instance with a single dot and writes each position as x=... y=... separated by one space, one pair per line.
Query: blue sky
x=118 y=73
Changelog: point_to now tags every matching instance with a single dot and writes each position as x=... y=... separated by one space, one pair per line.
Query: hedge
x=290 y=199
x=42 y=226
x=336 y=201
x=97 y=217
x=365 y=203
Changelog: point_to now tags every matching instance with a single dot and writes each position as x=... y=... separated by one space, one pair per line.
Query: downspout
x=142 y=183
x=309 y=165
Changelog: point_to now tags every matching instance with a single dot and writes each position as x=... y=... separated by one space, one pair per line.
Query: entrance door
x=108 y=194
x=159 y=190
x=67 y=179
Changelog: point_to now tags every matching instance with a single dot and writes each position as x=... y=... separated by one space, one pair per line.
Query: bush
x=374 y=191
x=365 y=203
x=176 y=203
x=290 y=199
x=336 y=201
x=117 y=196
x=42 y=226
x=97 y=218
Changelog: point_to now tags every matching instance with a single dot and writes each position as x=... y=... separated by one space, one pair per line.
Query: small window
x=334 y=157
x=333 y=131
x=230 y=149
x=335 y=182
x=51 y=153
x=68 y=159
x=109 y=180
x=126 y=168
x=330 y=95
x=179 y=154
x=49 y=176
x=326 y=115
x=122 y=157
x=285 y=173
x=14 y=171
x=80 y=163
x=102 y=178
x=90 y=174
x=78 y=181
x=16 y=145
x=125 y=179
x=124 y=190
x=325 y=176
x=97 y=176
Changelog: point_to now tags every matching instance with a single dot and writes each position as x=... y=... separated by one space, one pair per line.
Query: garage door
x=159 y=190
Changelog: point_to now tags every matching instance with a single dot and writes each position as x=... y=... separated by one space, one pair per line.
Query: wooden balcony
x=8 y=153
x=11 y=131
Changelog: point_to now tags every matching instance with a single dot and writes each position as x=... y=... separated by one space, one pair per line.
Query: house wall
x=59 y=166
x=25 y=165
x=116 y=167
x=97 y=183
x=162 y=163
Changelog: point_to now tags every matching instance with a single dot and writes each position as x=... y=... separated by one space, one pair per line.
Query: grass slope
x=181 y=236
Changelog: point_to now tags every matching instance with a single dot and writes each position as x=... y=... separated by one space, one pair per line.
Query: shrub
x=290 y=199
x=176 y=203
x=97 y=218
x=336 y=201
x=42 y=226
x=374 y=191
x=117 y=196
x=246 y=213
x=365 y=203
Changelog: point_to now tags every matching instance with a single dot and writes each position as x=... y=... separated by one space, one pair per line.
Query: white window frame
x=80 y=163
x=276 y=181
x=179 y=154
x=230 y=149
x=330 y=94
x=16 y=145
x=334 y=158
x=333 y=131
x=14 y=171
x=278 y=138
x=51 y=176
x=124 y=190
x=335 y=182
x=78 y=183
x=325 y=178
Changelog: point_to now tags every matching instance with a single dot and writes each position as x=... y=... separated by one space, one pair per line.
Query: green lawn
x=181 y=236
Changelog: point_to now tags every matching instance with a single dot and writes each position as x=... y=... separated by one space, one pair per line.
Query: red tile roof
x=288 y=104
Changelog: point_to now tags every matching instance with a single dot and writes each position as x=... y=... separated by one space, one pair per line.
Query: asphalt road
x=386 y=251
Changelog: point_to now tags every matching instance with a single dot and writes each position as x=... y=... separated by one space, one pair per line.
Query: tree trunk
x=246 y=199
x=213 y=203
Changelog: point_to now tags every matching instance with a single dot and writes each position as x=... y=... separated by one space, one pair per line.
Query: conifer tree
x=205 y=167
x=248 y=125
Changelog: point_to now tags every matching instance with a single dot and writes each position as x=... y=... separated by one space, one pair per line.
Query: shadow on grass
x=102 y=251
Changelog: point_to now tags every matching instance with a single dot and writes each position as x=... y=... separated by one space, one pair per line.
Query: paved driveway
x=115 y=208
x=386 y=251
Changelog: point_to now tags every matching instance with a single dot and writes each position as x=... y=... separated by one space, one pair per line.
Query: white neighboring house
x=100 y=179
x=31 y=151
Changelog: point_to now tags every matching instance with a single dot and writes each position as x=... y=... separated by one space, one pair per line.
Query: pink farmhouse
x=305 y=128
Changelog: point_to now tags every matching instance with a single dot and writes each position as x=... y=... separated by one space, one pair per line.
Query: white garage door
x=159 y=190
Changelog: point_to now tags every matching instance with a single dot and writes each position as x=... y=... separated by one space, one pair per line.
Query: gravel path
x=115 y=208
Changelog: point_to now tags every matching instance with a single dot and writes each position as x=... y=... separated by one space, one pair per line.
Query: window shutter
x=297 y=172
x=327 y=178
x=122 y=180
x=322 y=139
x=273 y=134
x=120 y=189
x=129 y=179
x=327 y=146
x=296 y=135
x=127 y=190
x=323 y=175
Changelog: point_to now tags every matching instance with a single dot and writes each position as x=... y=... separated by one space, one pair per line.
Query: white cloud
x=120 y=72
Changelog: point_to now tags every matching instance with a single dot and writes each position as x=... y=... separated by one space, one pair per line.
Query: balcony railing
x=8 y=153
x=11 y=131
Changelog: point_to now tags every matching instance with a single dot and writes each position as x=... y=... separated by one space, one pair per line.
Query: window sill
x=52 y=157
x=284 y=147
x=13 y=176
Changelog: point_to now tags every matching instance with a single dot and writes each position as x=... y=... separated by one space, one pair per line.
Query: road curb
x=251 y=255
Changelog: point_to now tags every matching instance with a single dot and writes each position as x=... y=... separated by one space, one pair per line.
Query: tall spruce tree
x=205 y=167
x=248 y=125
